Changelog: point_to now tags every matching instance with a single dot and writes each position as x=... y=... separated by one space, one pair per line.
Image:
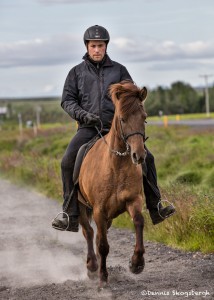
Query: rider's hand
x=91 y=119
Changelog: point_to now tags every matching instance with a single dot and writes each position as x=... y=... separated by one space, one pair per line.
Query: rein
x=125 y=153
x=124 y=138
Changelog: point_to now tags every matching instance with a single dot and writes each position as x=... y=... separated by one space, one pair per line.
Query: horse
x=110 y=178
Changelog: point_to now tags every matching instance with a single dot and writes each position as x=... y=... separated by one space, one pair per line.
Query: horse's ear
x=117 y=94
x=118 y=90
x=143 y=93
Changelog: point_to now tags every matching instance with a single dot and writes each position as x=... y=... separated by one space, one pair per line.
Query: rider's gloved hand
x=91 y=119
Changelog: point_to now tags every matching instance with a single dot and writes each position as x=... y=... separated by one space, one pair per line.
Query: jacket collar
x=106 y=62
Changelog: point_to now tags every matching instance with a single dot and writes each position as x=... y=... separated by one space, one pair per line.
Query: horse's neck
x=119 y=163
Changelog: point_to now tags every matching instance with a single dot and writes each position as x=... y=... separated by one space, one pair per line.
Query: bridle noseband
x=125 y=137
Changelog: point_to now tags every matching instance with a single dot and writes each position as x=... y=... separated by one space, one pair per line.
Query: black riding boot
x=70 y=218
x=157 y=212
x=71 y=211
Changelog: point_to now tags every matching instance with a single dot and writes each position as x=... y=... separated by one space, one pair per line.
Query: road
x=208 y=123
x=38 y=262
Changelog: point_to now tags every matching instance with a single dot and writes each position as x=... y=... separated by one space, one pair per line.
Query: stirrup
x=61 y=213
x=158 y=207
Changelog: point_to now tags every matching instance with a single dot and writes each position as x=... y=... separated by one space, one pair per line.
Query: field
x=184 y=161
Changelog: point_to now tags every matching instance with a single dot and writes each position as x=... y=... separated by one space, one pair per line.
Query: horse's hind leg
x=137 y=262
x=88 y=233
x=102 y=246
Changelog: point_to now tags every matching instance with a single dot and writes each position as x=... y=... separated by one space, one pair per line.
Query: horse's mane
x=129 y=95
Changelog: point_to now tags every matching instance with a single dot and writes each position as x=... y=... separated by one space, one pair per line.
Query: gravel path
x=38 y=262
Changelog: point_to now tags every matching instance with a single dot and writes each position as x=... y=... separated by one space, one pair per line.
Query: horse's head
x=130 y=117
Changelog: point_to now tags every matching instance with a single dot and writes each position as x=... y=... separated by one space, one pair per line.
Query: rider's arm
x=70 y=98
x=125 y=74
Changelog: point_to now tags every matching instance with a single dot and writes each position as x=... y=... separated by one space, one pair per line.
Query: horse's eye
x=145 y=121
x=122 y=120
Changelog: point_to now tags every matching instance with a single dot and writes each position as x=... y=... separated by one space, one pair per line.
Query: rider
x=86 y=99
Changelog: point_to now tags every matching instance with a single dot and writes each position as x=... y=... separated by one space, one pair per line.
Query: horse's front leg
x=137 y=262
x=102 y=246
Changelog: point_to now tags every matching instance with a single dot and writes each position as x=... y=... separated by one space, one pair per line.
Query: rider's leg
x=70 y=204
x=152 y=193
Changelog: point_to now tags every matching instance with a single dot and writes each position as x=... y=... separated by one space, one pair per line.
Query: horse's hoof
x=92 y=275
x=103 y=279
x=136 y=269
x=92 y=267
x=103 y=285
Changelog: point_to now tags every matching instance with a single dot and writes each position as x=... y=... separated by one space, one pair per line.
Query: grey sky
x=159 y=41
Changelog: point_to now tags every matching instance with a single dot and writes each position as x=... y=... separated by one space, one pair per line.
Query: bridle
x=124 y=138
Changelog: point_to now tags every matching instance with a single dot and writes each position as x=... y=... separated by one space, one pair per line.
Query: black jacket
x=86 y=89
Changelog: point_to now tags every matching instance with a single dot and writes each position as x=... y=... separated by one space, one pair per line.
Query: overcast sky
x=159 y=41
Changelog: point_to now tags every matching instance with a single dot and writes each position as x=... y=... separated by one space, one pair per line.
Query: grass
x=190 y=229
x=35 y=160
x=184 y=161
x=183 y=155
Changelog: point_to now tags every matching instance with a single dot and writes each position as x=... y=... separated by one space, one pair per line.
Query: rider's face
x=96 y=50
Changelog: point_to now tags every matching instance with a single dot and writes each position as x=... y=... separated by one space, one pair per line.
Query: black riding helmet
x=96 y=32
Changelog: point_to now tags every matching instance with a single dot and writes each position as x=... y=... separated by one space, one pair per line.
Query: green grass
x=183 y=155
x=192 y=226
x=33 y=160
x=184 y=161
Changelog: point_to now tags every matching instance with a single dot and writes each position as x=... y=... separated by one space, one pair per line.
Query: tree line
x=179 y=98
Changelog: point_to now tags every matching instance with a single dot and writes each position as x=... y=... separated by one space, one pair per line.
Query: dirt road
x=38 y=262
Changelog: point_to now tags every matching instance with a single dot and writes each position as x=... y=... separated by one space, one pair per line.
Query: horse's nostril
x=135 y=158
x=138 y=158
x=134 y=155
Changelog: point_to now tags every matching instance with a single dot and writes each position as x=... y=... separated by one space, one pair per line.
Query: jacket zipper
x=99 y=71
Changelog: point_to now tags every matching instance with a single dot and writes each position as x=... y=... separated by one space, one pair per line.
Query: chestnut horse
x=110 y=177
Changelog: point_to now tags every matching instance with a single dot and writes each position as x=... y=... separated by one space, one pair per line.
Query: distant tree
x=183 y=98
x=179 y=98
x=157 y=101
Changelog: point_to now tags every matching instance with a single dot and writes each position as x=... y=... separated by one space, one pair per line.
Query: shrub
x=189 y=177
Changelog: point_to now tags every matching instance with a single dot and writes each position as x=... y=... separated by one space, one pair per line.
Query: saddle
x=82 y=152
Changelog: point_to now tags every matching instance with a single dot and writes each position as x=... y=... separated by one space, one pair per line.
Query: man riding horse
x=86 y=99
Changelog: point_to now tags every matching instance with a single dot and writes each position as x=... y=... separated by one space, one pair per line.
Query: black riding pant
x=83 y=136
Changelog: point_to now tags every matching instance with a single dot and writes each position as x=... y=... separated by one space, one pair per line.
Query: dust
x=31 y=252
